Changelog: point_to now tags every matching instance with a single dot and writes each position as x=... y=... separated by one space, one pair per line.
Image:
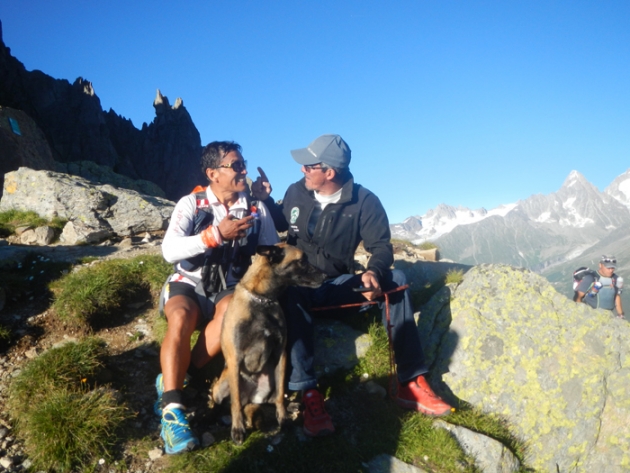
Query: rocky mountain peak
x=84 y=85
x=165 y=152
x=576 y=182
x=573 y=177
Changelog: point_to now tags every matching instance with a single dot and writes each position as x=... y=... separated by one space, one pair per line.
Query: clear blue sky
x=472 y=103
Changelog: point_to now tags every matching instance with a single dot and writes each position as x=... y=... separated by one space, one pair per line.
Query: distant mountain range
x=549 y=234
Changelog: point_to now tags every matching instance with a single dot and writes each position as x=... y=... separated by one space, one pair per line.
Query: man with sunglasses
x=603 y=289
x=328 y=215
x=210 y=240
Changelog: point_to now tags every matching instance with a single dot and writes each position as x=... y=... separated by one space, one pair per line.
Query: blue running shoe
x=159 y=387
x=176 y=432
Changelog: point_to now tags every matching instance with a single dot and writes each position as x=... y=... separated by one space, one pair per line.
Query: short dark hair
x=213 y=153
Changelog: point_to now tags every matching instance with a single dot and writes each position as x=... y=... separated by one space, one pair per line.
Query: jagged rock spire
x=160 y=100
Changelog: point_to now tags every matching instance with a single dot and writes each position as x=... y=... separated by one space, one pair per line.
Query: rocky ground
x=131 y=344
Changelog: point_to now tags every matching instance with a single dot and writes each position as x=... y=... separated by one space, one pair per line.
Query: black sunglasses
x=609 y=260
x=312 y=167
x=236 y=166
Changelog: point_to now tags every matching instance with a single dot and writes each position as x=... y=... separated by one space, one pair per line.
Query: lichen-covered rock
x=558 y=371
x=105 y=175
x=99 y=211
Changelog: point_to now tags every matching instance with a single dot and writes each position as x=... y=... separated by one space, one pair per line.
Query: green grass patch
x=454 y=276
x=376 y=361
x=12 y=219
x=66 y=419
x=94 y=292
x=427 y=245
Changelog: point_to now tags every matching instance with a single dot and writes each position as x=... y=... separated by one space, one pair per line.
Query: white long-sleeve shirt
x=180 y=244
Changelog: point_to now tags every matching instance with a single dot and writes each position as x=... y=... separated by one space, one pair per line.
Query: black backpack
x=579 y=274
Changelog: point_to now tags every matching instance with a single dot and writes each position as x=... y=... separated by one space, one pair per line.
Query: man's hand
x=261 y=187
x=369 y=279
x=232 y=228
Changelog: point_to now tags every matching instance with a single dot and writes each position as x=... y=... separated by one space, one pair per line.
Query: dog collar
x=260 y=299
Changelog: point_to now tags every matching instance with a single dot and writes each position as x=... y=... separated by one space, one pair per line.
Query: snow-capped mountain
x=440 y=221
x=537 y=232
x=620 y=188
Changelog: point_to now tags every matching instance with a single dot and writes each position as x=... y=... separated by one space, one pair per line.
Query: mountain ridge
x=550 y=234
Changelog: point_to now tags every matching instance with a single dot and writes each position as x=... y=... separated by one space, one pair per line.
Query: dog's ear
x=274 y=254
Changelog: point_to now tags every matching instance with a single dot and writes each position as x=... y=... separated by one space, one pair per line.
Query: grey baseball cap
x=609 y=261
x=327 y=149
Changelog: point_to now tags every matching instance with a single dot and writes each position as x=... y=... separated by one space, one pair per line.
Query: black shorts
x=178 y=288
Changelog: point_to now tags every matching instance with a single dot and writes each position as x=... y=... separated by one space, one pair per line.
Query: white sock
x=174 y=405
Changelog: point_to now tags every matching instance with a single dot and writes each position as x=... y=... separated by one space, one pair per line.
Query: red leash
x=392 y=363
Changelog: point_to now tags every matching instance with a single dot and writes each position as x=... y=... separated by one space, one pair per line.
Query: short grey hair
x=340 y=173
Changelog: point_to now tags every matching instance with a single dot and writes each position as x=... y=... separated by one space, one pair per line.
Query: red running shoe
x=317 y=422
x=418 y=395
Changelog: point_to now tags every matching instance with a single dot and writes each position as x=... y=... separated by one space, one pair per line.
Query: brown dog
x=253 y=334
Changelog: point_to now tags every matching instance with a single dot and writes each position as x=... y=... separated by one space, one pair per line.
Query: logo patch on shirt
x=295 y=213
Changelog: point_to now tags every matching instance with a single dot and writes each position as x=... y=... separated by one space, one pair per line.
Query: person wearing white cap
x=327 y=216
x=602 y=290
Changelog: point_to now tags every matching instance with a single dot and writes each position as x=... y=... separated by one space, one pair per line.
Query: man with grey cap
x=327 y=215
x=602 y=289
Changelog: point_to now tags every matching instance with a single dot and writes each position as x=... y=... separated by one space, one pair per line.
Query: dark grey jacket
x=358 y=216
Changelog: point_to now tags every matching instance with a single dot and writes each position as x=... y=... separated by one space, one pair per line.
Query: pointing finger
x=262 y=174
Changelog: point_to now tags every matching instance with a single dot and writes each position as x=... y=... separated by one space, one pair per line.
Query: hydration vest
x=225 y=265
x=597 y=295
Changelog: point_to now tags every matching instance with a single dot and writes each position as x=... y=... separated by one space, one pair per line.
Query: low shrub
x=67 y=421
x=101 y=289
x=454 y=276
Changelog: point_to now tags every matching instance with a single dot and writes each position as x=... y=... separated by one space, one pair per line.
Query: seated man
x=210 y=239
x=327 y=215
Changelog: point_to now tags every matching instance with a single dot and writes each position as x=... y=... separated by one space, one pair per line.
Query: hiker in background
x=601 y=289
x=327 y=215
x=210 y=239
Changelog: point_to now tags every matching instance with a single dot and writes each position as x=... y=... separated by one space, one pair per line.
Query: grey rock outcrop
x=557 y=371
x=337 y=346
x=99 y=174
x=94 y=212
x=490 y=455
x=40 y=236
x=165 y=152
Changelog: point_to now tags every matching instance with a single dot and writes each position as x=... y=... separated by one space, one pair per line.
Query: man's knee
x=182 y=313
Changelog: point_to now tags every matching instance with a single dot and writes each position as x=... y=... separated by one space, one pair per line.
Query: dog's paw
x=238 y=435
